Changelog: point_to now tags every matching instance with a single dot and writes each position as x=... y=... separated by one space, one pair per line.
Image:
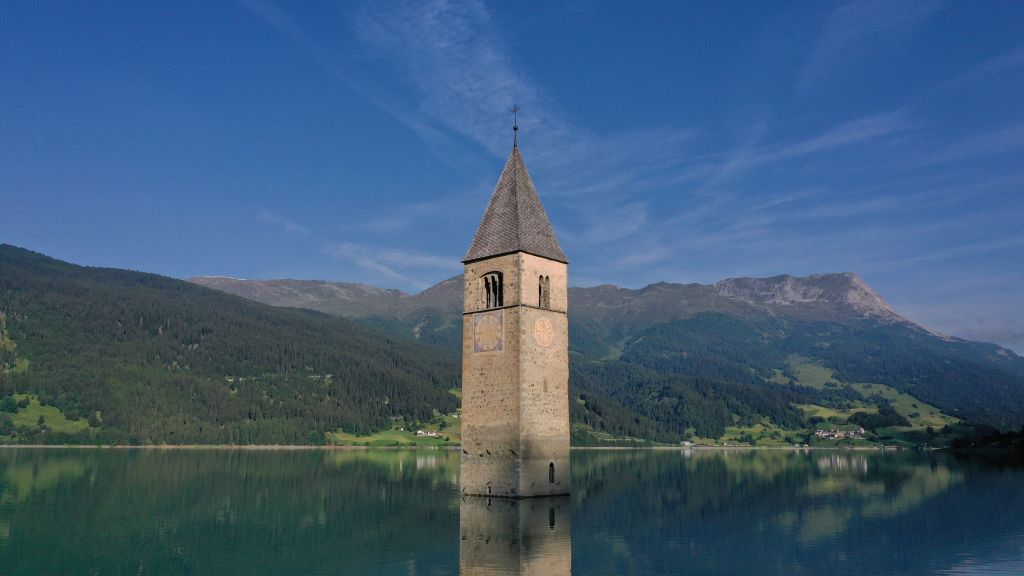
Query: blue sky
x=676 y=141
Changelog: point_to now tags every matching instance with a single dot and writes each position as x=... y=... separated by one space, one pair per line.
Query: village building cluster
x=840 y=434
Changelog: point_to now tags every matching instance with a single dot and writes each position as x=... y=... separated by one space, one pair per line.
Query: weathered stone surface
x=515 y=377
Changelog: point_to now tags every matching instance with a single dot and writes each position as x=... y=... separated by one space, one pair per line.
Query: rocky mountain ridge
x=340 y=298
x=832 y=296
x=845 y=291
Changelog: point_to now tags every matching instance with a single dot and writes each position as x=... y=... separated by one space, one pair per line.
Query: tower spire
x=515 y=220
x=515 y=125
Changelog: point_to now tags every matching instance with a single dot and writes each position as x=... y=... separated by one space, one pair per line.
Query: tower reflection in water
x=505 y=536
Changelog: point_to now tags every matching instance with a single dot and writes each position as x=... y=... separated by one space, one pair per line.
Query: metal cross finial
x=515 y=125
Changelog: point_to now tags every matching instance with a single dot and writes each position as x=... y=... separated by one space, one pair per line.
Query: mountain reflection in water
x=641 y=512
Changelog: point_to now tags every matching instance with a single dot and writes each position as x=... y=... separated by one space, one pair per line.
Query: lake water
x=282 y=512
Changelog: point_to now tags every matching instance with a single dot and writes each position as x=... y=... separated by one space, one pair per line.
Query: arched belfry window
x=544 y=292
x=494 y=290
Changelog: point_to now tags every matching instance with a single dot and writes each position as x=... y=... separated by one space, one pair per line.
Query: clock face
x=488 y=331
x=543 y=332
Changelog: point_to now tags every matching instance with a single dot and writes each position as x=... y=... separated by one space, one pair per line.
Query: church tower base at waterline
x=515 y=351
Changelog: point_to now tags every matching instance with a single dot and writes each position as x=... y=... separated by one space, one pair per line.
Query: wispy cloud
x=453 y=59
x=750 y=155
x=851 y=132
x=971 y=249
x=286 y=225
x=405 y=217
x=859 y=28
x=649 y=253
x=604 y=224
x=404 y=258
x=1004 y=140
x=395 y=264
x=999 y=64
x=677 y=202
x=453 y=63
x=277 y=17
x=340 y=68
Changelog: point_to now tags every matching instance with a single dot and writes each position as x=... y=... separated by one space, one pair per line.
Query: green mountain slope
x=867 y=363
x=106 y=355
x=146 y=358
x=770 y=358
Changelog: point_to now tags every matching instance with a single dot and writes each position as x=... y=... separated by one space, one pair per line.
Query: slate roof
x=515 y=220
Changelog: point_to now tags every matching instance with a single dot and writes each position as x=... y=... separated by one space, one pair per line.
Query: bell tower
x=515 y=348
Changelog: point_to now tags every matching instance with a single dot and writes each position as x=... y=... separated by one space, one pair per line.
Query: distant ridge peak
x=216 y=277
x=845 y=288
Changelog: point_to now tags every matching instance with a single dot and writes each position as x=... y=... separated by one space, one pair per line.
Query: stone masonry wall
x=515 y=400
x=490 y=394
x=544 y=381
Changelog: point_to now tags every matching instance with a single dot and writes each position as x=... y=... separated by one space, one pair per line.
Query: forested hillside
x=713 y=370
x=754 y=358
x=101 y=355
x=145 y=358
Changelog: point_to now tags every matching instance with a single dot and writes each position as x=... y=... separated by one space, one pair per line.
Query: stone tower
x=515 y=340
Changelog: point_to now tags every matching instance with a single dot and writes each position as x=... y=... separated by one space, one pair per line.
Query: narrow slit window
x=493 y=290
x=551 y=473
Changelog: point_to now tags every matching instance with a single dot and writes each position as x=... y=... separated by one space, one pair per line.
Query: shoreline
x=297 y=447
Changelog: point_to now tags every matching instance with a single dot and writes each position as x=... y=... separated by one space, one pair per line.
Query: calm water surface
x=68 y=511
